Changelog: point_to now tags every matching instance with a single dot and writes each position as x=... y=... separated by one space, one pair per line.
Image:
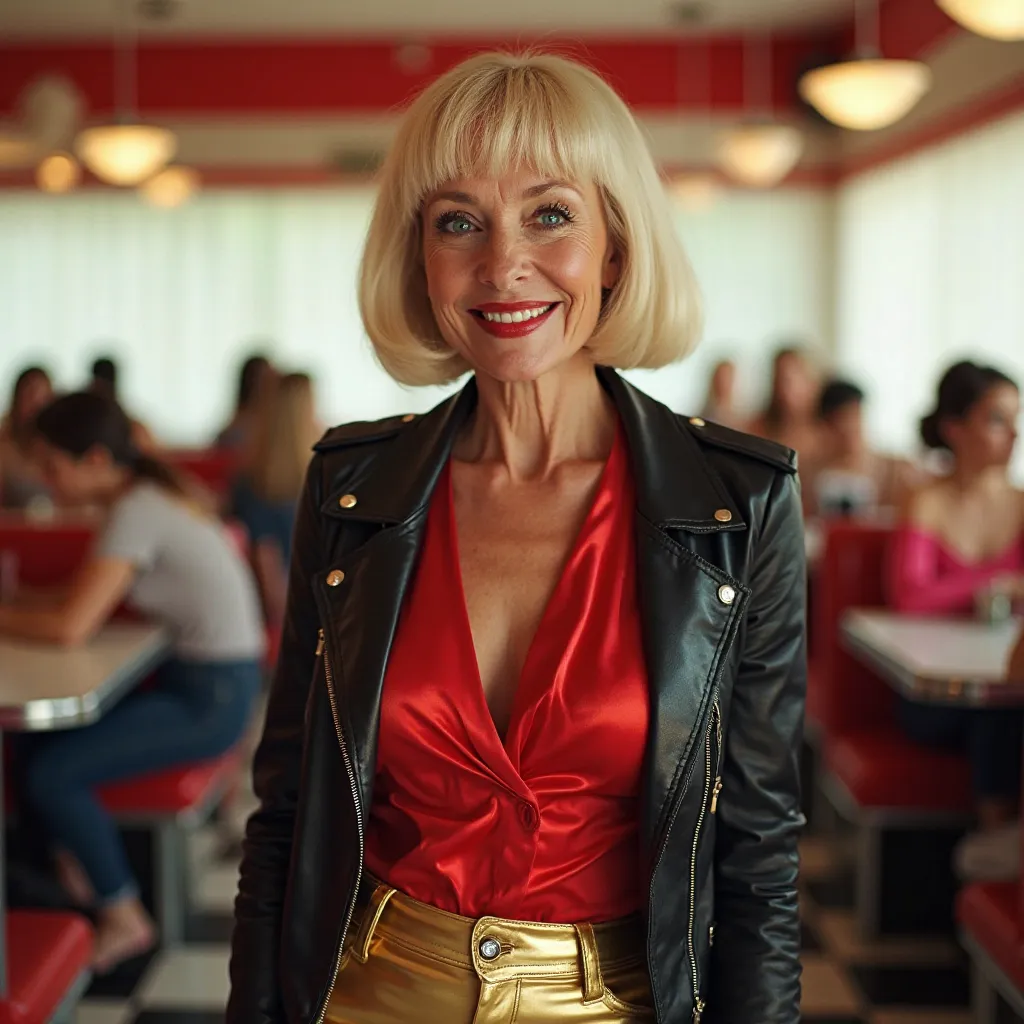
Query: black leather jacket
x=721 y=577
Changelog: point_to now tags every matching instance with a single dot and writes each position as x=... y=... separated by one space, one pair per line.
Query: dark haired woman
x=20 y=477
x=173 y=563
x=851 y=478
x=255 y=379
x=958 y=536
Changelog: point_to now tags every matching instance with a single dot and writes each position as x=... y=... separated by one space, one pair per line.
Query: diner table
x=937 y=659
x=45 y=687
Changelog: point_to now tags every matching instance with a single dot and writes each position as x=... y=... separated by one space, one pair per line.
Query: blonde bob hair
x=491 y=114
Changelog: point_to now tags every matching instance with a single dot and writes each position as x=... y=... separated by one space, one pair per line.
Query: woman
x=531 y=747
x=266 y=493
x=850 y=478
x=790 y=417
x=178 y=567
x=720 y=404
x=255 y=380
x=958 y=536
x=20 y=476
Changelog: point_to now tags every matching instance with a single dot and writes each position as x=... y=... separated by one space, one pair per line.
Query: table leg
x=3 y=882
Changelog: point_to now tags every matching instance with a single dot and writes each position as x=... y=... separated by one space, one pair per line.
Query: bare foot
x=124 y=930
x=73 y=879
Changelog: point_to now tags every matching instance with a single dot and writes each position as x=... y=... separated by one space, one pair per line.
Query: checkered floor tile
x=846 y=981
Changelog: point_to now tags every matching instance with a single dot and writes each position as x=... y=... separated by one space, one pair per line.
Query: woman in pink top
x=958 y=536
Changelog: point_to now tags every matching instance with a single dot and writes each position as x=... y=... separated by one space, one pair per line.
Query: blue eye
x=554 y=216
x=454 y=223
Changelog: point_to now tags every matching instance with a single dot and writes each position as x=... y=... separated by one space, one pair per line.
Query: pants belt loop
x=374 y=909
x=593 y=983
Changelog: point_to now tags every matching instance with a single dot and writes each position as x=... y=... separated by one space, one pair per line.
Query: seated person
x=266 y=492
x=789 y=418
x=21 y=477
x=957 y=536
x=849 y=478
x=105 y=374
x=256 y=380
x=177 y=566
x=720 y=404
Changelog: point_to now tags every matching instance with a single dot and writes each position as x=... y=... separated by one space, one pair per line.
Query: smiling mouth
x=516 y=316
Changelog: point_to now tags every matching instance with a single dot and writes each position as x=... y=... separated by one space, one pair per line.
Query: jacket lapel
x=687 y=626
x=361 y=614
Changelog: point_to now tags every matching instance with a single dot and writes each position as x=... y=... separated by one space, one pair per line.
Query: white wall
x=182 y=295
x=930 y=269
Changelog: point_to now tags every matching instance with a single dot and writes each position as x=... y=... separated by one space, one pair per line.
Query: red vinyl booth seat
x=166 y=793
x=213 y=467
x=863 y=747
x=47 y=952
x=882 y=768
x=990 y=913
x=47 y=553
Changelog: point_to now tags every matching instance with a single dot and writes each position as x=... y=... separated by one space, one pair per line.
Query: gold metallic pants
x=406 y=961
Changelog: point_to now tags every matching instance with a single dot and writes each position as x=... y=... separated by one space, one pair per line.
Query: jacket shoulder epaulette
x=362 y=432
x=759 y=448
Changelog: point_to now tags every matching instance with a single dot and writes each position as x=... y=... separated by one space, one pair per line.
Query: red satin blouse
x=542 y=827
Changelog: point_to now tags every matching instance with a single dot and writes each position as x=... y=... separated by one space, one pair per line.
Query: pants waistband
x=495 y=948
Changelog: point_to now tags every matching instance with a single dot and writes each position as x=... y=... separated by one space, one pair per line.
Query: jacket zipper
x=714 y=724
x=321 y=651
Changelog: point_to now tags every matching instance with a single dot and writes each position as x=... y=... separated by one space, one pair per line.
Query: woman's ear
x=611 y=267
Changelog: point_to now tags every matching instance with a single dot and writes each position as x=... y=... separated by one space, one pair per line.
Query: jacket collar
x=676 y=488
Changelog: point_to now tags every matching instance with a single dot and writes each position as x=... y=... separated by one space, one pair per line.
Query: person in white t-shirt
x=170 y=560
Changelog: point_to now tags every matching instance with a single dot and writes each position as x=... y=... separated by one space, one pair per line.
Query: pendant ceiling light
x=995 y=19
x=171 y=187
x=868 y=91
x=58 y=173
x=762 y=151
x=127 y=152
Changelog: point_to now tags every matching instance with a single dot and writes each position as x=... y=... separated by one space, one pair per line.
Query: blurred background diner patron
x=790 y=418
x=171 y=562
x=255 y=378
x=720 y=404
x=21 y=478
x=267 y=490
x=104 y=382
x=959 y=536
x=849 y=478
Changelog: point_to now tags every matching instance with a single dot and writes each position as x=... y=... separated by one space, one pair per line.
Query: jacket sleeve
x=756 y=955
x=255 y=986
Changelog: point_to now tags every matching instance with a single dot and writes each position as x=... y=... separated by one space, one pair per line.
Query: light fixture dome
x=171 y=187
x=695 y=191
x=58 y=173
x=760 y=154
x=995 y=19
x=125 y=154
x=866 y=93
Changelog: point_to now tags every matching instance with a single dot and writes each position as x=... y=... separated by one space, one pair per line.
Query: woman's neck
x=529 y=427
x=968 y=480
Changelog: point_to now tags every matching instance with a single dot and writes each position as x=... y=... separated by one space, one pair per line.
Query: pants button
x=489 y=949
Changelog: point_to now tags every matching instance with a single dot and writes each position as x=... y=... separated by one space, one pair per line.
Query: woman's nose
x=503 y=261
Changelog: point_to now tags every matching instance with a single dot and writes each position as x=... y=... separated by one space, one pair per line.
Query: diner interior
x=185 y=189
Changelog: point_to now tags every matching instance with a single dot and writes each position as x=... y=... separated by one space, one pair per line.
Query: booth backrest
x=213 y=467
x=47 y=553
x=852 y=575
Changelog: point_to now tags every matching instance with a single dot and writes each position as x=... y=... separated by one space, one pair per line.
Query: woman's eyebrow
x=537 y=190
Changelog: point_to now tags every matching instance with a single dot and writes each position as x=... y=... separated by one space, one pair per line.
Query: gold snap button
x=697 y=422
x=335 y=577
x=726 y=594
x=348 y=501
x=408 y=418
x=723 y=515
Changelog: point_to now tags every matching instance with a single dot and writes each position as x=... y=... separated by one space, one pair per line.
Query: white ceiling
x=388 y=17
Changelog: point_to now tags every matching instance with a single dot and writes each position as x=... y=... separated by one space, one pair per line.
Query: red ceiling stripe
x=254 y=77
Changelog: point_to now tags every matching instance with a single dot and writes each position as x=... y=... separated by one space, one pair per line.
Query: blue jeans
x=195 y=711
x=990 y=737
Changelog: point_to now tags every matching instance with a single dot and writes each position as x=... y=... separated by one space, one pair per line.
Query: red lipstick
x=487 y=315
